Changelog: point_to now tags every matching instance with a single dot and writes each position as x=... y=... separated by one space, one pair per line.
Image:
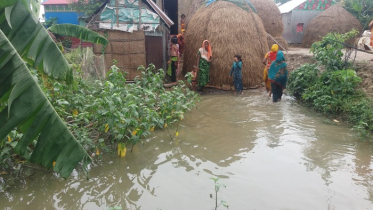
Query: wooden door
x=154 y=51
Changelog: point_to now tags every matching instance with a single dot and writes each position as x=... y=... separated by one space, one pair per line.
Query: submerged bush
x=303 y=78
x=112 y=112
x=333 y=92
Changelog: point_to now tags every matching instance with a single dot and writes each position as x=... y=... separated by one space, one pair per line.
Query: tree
x=24 y=39
x=362 y=9
x=86 y=7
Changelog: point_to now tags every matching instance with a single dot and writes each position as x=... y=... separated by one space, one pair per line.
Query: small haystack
x=192 y=10
x=279 y=40
x=230 y=30
x=271 y=16
x=334 y=19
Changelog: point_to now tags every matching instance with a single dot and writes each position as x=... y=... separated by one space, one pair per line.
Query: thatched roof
x=270 y=14
x=334 y=19
x=230 y=30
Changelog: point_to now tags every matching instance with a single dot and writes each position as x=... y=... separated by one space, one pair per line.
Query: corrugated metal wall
x=286 y=20
x=291 y=20
x=63 y=17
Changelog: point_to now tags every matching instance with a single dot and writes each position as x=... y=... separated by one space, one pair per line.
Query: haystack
x=334 y=19
x=192 y=10
x=230 y=30
x=279 y=40
x=271 y=16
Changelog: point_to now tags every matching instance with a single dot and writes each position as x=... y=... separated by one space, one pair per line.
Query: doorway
x=171 y=9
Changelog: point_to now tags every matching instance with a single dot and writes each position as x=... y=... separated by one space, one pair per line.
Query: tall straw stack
x=334 y=19
x=192 y=10
x=230 y=30
x=270 y=14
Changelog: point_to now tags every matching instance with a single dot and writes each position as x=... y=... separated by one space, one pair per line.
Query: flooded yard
x=269 y=156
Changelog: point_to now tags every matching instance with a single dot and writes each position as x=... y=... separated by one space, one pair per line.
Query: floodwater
x=269 y=156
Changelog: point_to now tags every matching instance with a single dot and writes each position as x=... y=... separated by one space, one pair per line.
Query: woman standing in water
x=204 y=60
x=278 y=75
x=268 y=59
x=236 y=71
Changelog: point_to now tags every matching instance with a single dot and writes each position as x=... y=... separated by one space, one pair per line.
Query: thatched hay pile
x=230 y=30
x=271 y=16
x=279 y=40
x=192 y=10
x=334 y=19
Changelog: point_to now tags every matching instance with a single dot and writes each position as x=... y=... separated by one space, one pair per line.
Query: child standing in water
x=236 y=71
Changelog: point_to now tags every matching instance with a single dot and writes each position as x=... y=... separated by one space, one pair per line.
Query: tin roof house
x=61 y=10
x=297 y=14
x=138 y=32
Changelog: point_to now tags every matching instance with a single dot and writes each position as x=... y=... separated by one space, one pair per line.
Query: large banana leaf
x=29 y=109
x=79 y=32
x=32 y=41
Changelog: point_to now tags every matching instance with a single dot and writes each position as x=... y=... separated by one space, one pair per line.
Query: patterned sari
x=204 y=65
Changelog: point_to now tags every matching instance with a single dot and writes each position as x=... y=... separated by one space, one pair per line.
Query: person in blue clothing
x=236 y=72
x=278 y=75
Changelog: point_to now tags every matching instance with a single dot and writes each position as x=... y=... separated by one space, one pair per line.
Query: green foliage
x=28 y=110
x=24 y=109
x=334 y=91
x=303 y=78
x=86 y=7
x=328 y=51
x=218 y=185
x=50 y=22
x=120 y=112
x=66 y=43
x=80 y=32
x=33 y=42
x=361 y=9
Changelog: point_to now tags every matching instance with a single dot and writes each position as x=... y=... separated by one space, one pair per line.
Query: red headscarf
x=209 y=52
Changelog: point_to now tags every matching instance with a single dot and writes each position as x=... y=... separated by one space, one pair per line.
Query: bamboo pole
x=277 y=42
x=116 y=7
x=140 y=14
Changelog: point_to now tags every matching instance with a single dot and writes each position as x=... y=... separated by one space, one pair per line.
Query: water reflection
x=270 y=156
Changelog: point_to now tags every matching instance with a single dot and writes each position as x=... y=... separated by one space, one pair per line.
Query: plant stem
x=216 y=200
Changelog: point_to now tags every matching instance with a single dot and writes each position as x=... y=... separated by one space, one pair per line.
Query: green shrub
x=328 y=51
x=302 y=78
x=334 y=91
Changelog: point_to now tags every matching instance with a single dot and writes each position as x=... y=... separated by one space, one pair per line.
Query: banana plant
x=79 y=32
x=24 y=39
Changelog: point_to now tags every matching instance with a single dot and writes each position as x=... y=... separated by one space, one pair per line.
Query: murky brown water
x=270 y=156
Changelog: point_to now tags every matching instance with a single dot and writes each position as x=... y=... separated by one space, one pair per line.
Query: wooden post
x=116 y=7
